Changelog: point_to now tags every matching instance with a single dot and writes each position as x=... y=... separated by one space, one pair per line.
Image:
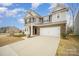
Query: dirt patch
x=4 y=40
x=69 y=46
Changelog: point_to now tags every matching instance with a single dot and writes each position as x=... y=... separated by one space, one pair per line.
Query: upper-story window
x=50 y=18
x=41 y=20
x=29 y=20
x=46 y=19
x=58 y=16
x=25 y=21
x=34 y=20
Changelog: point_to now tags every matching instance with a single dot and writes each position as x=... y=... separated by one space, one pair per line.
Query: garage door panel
x=50 y=31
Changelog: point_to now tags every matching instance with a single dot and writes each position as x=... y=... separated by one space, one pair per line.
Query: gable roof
x=59 y=7
x=32 y=13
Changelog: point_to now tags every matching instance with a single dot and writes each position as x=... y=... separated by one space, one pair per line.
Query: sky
x=12 y=14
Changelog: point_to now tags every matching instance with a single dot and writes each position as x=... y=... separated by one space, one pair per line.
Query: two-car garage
x=57 y=29
x=50 y=31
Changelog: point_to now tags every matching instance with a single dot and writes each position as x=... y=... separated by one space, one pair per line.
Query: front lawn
x=4 y=40
x=69 y=46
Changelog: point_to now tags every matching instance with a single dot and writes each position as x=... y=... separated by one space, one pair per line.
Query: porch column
x=31 y=30
x=27 y=31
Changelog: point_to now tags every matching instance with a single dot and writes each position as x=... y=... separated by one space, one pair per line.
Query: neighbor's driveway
x=35 y=46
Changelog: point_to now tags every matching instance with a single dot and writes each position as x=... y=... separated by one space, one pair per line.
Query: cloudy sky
x=11 y=14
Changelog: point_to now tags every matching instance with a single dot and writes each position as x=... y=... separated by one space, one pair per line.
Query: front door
x=35 y=30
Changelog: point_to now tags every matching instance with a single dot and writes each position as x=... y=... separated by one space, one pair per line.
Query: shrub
x=18 y=34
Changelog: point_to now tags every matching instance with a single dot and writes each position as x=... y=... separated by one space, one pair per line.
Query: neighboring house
x=9 y=29
x=52 y=25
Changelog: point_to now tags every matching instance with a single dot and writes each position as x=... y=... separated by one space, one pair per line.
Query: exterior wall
x=38 y=31
x=46 y=19
x=59 y=17
x=61 y=26
x=76 y=24
x=37 y=20
x=27 y=31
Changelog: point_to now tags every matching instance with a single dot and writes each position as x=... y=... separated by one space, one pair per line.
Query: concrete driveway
x=35 y=46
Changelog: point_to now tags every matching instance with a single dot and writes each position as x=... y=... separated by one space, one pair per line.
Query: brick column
x=63 y=31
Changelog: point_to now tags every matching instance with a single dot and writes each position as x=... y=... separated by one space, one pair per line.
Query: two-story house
x=53 y=24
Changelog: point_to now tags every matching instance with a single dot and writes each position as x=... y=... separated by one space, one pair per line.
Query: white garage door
x=50 y=31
